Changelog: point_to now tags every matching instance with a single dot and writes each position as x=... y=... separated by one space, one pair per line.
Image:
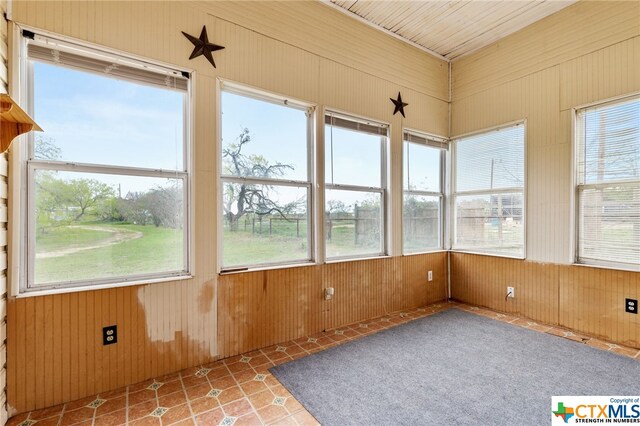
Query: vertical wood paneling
x=258 y=309
x=294 y=49
x=585 y=53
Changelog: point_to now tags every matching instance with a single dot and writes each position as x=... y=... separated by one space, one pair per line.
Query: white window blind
x=67 y=54
x=489 y=185
x=608 y=183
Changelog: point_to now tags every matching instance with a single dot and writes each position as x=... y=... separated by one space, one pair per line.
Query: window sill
x=480 y=253
x=247 y=269
x=356 y=258
x=608 y=266
x=82 y=288
x=416 y=253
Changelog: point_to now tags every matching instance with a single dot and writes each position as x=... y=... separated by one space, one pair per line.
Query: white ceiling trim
x=382 y=29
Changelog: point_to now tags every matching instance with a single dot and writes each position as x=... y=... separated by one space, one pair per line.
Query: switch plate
x=110 y=335
x=631 y=306
x=430 y=275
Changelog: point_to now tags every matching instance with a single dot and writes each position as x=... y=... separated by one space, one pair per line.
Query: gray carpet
x=452 y=368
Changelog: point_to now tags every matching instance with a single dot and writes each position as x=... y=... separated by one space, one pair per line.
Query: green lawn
x=157 y=250
x=61 y=237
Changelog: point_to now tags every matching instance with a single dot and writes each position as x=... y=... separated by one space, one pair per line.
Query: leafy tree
x=86 y=194
x=245 y=198
x=59 y=200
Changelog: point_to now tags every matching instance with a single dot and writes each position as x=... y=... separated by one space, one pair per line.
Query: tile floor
x=240 y=390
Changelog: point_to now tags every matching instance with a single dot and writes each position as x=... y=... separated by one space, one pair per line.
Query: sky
x=110 y=122
x=99 y=120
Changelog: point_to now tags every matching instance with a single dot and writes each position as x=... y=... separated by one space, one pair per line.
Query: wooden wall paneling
x=169 y=326
x=483 y=280
x=257 y=309
x=592 y=301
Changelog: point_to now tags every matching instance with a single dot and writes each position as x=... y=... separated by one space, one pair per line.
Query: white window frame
x=578 y=187
x=455 y=193
x=310 y=112
x=434 y=142
x=383 y=190
x=22 y=230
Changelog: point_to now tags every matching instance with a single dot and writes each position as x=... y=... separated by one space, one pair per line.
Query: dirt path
x=119 y=236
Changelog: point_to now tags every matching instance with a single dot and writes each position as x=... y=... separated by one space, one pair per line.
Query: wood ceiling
x=450 y=29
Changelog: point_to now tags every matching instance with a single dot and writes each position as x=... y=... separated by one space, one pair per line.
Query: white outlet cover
x=511 y=291
x=430 y=275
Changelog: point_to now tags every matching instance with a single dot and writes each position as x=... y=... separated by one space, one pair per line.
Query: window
x=488 y=194
x=266 y=180
x=355 y=189
x=608 y=184
x=423 y=160
x=108 y=179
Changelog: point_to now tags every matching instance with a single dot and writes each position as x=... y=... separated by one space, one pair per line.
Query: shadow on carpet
x=452 y=368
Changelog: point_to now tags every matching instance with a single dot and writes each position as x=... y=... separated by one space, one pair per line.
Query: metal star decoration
x=202 y=46
x=399 y=105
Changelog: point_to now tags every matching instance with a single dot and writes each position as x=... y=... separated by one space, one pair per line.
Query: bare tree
x=246 y=198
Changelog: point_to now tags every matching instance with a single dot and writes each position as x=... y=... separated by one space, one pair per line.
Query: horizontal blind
x=610 y=224
x=489 y=192
x=608 y=177
x=490 y=160
x=609 y=150
x=356 y=125
x=426 y=140
x=106 y=65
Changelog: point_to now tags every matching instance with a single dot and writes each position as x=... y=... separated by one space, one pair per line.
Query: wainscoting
x=585 y=299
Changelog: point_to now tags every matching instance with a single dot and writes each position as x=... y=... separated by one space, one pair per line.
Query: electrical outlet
x=328 y=293
x=631 y=306
x=511 y=291
x=109 y=335
x=430 y=275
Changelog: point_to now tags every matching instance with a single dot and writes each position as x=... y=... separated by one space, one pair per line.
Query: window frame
x=577 y=187
x=23 y=279
x=383 y=190
x=454 y=193
x=224 y=85
x=444 y=151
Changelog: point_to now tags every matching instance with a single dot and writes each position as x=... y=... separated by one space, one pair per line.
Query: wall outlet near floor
x=631 y=306
x=430 y=275
x=511 y=292
x=328 y=293
x=110 y=335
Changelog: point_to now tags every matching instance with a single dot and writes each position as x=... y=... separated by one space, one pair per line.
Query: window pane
x=263 y=140
x=264 y=224
x=421 y=221
x=353 y=225
x=94 y=226
x=89 y=118
x=490 y=223
x=352 y=158
x=422 y=167
x=611 y=143
x=610 y=224
x=491 y=160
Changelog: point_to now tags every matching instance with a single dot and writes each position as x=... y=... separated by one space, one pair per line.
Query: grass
x=158 y=250
x=61 y=237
